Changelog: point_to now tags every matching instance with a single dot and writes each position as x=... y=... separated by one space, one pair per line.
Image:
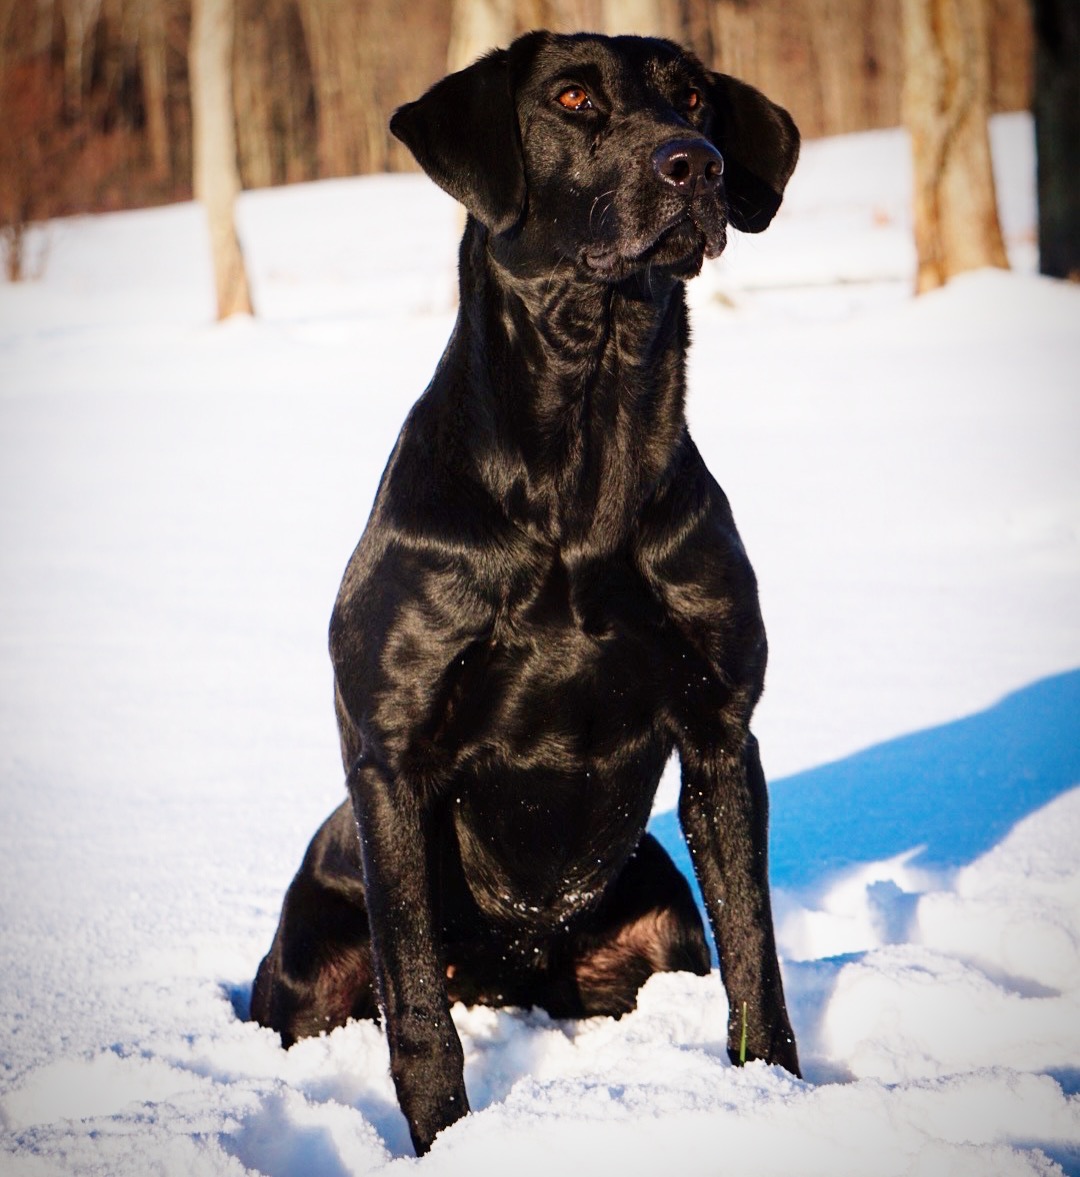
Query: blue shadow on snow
x=955 y=790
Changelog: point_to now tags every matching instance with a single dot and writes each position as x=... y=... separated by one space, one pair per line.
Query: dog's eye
x=692 y=99
x=574 y=98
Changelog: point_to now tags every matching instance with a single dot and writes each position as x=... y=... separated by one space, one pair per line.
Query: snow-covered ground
x=177 y=502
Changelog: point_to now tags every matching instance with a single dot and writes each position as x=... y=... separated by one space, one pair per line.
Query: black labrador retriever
x=550 y=595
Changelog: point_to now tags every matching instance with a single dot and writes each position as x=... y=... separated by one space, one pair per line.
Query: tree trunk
x=254 y=92
x=352 y=135
x=374 y=31
x=850 y=43
x=477 y=26
x=80 y=16
x=734 y=34
x=1057 y=135
x=152 y=64
x=647 y=18
x=216 y=178
x=946 y=106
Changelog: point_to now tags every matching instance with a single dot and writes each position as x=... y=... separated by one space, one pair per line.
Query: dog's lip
x=713 y=229
x=604 y=257
x=714 y=246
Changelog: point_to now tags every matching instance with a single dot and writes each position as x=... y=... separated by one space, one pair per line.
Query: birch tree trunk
x=216 y=177
x=946 y=107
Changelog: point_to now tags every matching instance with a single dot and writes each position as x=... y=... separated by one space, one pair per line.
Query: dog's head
x=613 y=153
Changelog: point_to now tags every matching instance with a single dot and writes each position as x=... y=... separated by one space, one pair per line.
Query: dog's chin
x=679 y=251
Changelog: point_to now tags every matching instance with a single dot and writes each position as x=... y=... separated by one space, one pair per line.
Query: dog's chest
x=542 y=843
x=566 y=746
x=577 y=667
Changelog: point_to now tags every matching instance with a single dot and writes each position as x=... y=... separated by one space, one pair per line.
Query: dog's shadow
x=954 y=790
x=238 y=995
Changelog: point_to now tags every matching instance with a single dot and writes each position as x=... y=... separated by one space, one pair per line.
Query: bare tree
x=80 y=17
x=477 y=26
x=946 y=107
x=649 y=18
x=1057 y=135
x=216 y=177
x=150 y=31
x=277 y=117
x=732 y=31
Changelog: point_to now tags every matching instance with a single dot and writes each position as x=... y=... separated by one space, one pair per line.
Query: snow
x=177 y=501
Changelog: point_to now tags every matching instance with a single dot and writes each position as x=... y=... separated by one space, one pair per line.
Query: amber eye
x=692 y=100
x=575 y=98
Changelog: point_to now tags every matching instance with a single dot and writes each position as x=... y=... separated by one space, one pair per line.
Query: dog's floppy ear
x=464 y=134
x=760 y=145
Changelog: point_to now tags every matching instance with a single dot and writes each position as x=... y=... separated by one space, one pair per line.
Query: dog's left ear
x=760 y=145
x=464 y=134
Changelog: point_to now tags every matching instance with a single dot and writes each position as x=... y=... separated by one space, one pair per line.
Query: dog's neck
x=578 y=390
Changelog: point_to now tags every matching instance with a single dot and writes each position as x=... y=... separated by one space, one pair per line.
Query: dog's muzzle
x=694 y=169
x=689 y=222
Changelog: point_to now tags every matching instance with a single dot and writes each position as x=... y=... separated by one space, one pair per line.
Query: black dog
x=550 y=595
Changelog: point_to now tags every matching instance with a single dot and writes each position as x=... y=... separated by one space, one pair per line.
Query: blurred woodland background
x=96 y=96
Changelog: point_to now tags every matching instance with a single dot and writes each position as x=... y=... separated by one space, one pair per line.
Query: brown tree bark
x=347 y=44
x=647 y=18
x=254 y=93
x=80 y=16
x=733 y=26
x=477 y=26
x=151 y=46
x=852 y=47
x=946 y=107
x=216 y=178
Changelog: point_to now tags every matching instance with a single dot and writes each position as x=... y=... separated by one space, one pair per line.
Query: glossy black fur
x=550 y=595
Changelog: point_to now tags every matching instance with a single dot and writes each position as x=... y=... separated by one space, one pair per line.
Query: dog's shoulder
x=693 y=558
x=689 y=507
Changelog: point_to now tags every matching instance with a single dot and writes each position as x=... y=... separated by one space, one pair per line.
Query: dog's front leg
x=723 y=809
x=426 y=1059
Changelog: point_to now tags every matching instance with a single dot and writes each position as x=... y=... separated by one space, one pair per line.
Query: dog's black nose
x=689 y=165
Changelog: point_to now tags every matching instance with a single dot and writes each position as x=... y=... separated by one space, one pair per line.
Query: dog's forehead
x=621 y=65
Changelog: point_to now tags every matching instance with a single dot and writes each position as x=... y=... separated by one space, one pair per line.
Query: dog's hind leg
x=647 y=923
x=318 y=972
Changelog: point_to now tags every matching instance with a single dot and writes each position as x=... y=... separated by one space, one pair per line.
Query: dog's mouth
x=679 y=248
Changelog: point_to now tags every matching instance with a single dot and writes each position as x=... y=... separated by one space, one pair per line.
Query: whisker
x=547 y=285
x=592 y=210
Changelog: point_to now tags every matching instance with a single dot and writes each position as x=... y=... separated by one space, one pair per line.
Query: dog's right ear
x=760 y=145
x=464 y=134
